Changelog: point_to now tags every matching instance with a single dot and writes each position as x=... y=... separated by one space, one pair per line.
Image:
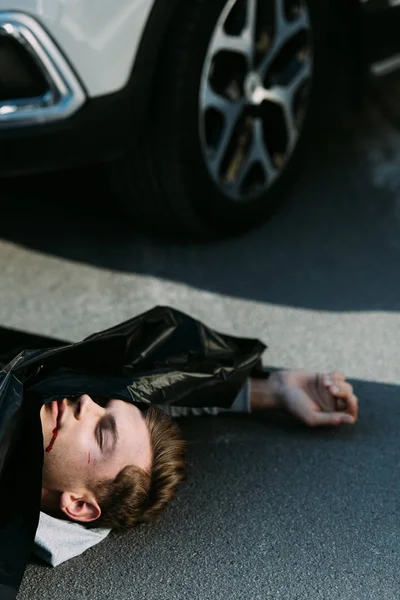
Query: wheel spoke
x=280 y=19
x=284 y=94
x=257 y=153
x=261 y=153
x=230 y=125
x=231 y=111
x=231 y=43
x=276 y=94
x=303 y=74
x=249 y=32
x=285 y=30
x=237 y=182
x=243 y=43
x=214 y=100
x=293 y=27
x=251 y=17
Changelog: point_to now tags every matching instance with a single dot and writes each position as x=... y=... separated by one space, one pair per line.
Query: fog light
x=20 y=77
x=37 y=85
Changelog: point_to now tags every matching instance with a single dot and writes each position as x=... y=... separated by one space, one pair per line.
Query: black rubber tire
x=163 y=182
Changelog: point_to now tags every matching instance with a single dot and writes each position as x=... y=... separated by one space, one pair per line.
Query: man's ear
x=81 y=507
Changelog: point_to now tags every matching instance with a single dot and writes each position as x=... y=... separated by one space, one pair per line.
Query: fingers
x=318 y=419
x=319 y=399
x=343 y=391
x=336 y=377
x=352 y=405
x=346 y=400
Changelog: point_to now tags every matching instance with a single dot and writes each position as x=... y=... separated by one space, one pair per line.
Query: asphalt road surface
x=272 y=509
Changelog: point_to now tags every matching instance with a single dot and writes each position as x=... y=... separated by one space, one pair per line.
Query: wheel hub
x=253 y=88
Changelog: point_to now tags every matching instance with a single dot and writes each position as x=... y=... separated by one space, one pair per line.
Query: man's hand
x=314 y=398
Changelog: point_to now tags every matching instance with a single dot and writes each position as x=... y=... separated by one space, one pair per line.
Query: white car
x=199 y=109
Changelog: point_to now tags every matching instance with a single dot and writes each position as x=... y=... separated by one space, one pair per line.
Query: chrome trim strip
x=65 y=94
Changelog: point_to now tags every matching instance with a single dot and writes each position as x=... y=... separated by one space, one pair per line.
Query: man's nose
x=87 y=407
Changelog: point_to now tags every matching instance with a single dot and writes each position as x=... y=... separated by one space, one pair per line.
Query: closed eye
x=100 y=436
x=107 y=425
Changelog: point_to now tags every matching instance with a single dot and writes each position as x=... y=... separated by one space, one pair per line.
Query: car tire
x=168 y=183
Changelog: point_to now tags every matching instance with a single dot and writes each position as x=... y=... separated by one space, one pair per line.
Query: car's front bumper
x=37 y=85
x=104 y=126
x=101 y=130
x=100 y=39
x=61 y=126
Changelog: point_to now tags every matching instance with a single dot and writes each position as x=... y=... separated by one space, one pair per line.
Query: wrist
x=264 y=394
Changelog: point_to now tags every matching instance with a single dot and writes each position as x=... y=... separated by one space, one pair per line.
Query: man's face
x=93 y=442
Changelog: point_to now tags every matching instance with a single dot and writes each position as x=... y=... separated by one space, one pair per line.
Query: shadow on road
x=335 y=245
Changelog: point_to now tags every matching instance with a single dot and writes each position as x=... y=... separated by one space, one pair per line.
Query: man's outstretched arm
x=314 y=398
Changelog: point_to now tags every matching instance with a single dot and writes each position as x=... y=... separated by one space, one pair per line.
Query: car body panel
x=99 y=38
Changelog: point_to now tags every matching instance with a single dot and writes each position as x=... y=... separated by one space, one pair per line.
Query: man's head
x=110 y=464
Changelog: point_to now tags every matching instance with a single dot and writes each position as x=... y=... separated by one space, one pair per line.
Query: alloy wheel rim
x=254 y=93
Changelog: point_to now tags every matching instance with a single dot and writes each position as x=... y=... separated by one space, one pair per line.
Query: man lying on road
x=110 y=464
x=87 y=434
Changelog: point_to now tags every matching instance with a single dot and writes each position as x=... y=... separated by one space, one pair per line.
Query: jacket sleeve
x=241 y=404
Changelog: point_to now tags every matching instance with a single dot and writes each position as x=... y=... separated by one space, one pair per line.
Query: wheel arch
x=148 y=58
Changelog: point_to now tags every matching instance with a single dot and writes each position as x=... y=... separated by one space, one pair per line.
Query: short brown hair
x=135 y=496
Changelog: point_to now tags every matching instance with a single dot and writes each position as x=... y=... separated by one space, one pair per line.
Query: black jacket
x=160 y=357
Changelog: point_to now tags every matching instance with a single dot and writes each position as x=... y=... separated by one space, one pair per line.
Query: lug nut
x=279 y=160
x=264 y=42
